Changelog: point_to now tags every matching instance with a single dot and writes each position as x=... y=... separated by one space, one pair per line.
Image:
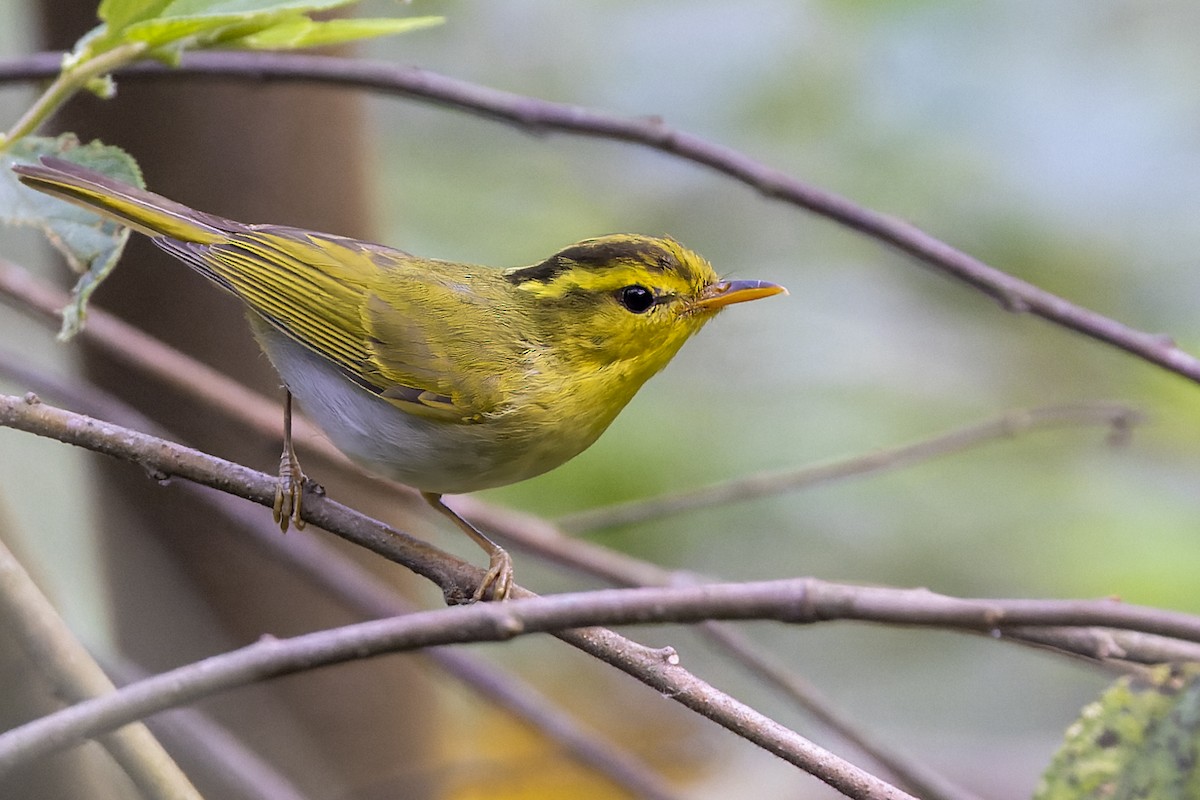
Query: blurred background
x=1060 y=143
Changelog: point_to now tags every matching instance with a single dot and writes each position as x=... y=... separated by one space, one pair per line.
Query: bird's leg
x=289 y=492
x=499 y=577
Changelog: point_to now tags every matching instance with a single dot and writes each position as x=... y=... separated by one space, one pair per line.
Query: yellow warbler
x=447 y=377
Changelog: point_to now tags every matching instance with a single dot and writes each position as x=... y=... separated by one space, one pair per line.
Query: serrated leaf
x=1139 y=741
x=300 y=32
x=90 y=243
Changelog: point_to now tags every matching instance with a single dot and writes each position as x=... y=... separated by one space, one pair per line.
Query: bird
x=448 y=377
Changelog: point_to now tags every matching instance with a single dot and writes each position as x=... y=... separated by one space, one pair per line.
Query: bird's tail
x=136 y=208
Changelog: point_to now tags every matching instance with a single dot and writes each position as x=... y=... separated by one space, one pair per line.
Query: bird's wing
x=362 y=306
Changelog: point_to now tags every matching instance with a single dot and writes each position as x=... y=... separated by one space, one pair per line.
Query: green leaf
x=195 y=8
x=90 y=243
x=176 y=25
x=257 y=24
x=119 y=14
x=199 y=31
x=115 y=17
x=298 y=32
x=1139 y=741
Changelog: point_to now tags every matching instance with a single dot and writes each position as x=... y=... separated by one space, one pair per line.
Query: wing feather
x=328 y=294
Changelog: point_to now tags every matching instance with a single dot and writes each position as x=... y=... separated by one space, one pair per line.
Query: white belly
x=430 y=455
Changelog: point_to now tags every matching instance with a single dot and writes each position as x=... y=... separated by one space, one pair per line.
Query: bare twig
x=163 y=460
x=541 y=116
x=362 y=590
x=1116 y=417
x=655 y=668
x=237 y=769
x=76 y=677
x=525 y=531
x=1097 y=644
x=1119 y=648
x=801 y=600
x=911 y=774
x=480 y=622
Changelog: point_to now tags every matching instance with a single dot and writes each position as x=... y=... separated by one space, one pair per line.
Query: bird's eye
x=637 y=299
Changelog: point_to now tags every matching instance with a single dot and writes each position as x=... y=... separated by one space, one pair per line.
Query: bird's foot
x=289 y=492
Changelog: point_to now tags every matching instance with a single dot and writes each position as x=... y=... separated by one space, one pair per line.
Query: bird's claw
x=289 y=493
x=498 y=581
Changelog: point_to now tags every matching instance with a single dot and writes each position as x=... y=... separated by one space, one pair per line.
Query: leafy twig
x=131 y=31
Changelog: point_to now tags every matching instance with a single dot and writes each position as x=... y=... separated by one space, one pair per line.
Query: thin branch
x=911 y=774
x=346 y=580
x=655 y=668
x=76 y=676
x=541 y=116
x=527 y=532
x=164 y=460
x=1119 y=648
x=477 y=623
x=637 y=661
x=67 y=82
x=1116 y=417
x=800 y=600
x=365 y=592
x=235 y=768
x=133 y=347
x=1099 y=645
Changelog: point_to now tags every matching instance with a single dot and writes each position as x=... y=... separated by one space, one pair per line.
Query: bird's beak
x=719 y=295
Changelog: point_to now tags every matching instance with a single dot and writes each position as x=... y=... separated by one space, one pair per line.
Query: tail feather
x=136 y=208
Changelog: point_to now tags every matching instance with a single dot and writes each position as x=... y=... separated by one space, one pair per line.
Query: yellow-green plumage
x=448 y=377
